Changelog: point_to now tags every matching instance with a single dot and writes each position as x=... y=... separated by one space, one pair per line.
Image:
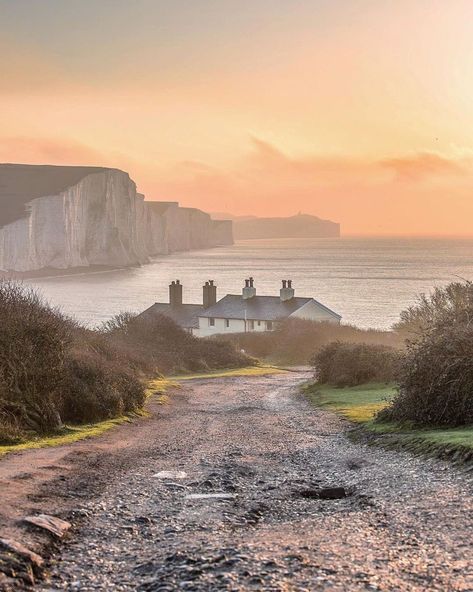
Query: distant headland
x=298 y=226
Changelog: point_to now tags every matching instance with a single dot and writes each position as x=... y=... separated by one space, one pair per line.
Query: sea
x=369 y=281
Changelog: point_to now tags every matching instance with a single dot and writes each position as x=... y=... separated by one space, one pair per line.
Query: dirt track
x=406 y=524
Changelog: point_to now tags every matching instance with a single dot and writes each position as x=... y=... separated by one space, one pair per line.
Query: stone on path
x=204 y=496
x=170 y=475
x=21 y=551
x=17 y=562
x=54 y=525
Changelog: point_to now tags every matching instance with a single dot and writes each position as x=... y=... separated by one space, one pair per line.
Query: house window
x=211 y=322
x=227 y=323
x=251 y=325
x=259 y=323
x=269 y=325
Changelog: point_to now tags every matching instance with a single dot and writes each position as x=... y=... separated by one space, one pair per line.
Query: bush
x=52 y=370
x=294 y=341
x=163 y=346
x=100 y=383
x=451 y=304
x=350 y=364
x=34 y=340
x=436 y=379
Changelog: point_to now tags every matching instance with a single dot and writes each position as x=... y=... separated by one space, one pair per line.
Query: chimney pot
x=175 y=293
x=287 y=291
x=209 y=294
x=249 y=291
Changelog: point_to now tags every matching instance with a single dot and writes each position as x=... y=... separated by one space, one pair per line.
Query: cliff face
x=80 y=216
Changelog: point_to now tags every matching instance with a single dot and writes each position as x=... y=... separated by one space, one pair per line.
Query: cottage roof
x=185 y=315
x=258 y=308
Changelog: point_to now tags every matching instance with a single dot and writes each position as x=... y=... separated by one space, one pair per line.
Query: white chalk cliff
x=65 y=217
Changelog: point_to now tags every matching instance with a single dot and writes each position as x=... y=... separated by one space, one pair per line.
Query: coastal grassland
x=360 y=405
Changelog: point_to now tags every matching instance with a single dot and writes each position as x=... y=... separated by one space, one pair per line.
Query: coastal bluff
x=62 y=217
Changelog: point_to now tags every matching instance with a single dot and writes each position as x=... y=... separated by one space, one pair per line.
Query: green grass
x=259 y=370
x=67 y=435
x=360 y=405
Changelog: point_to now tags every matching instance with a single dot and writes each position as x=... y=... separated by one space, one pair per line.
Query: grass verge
x=360 y=405
x=260 y=370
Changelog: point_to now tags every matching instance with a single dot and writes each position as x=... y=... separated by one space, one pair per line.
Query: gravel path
x=406 y=524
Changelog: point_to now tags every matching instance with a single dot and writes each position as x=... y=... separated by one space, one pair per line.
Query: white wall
x=314 y=312
x=235 y=326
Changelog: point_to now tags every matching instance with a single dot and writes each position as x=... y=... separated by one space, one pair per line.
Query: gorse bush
x=436 y=377
x=52 y=370
x=34 y=341
x=294 y=341
x=350 y=364
x=161 y=345
x=451 y=304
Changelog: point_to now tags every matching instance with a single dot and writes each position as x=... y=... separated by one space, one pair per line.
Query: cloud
x=411 y=193
x=424 y=165
x=48 y=151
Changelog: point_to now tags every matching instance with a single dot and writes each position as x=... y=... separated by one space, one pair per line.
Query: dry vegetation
x=344 y=364
x=295 y=341
x=53 y=371
x=436 y=377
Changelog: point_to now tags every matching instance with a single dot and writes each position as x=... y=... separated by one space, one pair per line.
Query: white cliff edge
x=102 y=220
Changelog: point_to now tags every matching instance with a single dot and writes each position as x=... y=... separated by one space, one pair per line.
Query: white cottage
x=239 y=313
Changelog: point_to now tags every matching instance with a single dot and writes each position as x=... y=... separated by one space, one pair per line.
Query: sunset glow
x=356 y=111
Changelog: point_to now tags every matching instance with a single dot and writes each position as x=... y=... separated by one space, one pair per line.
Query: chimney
x=175 y=293
x=249 y=291
x=209 y=294
x=287 y=291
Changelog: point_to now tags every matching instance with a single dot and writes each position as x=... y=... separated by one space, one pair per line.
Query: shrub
x=34 y=341
x=52 y=370
x=100 y=383
x=351 y=364
x=436 y=379
x=451 y=304
x=161 y=345
x=294 y=341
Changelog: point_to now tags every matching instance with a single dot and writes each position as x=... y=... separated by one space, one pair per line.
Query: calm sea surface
x=367 y=281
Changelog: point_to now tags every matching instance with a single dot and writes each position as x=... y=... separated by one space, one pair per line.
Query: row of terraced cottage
x=238 y=313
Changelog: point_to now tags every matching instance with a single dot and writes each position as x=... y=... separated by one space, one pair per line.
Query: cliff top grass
x=360 y=404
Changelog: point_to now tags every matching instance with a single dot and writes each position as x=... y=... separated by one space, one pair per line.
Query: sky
x=358 y=111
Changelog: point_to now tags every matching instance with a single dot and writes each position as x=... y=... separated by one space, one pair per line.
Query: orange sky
x=353 y=110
